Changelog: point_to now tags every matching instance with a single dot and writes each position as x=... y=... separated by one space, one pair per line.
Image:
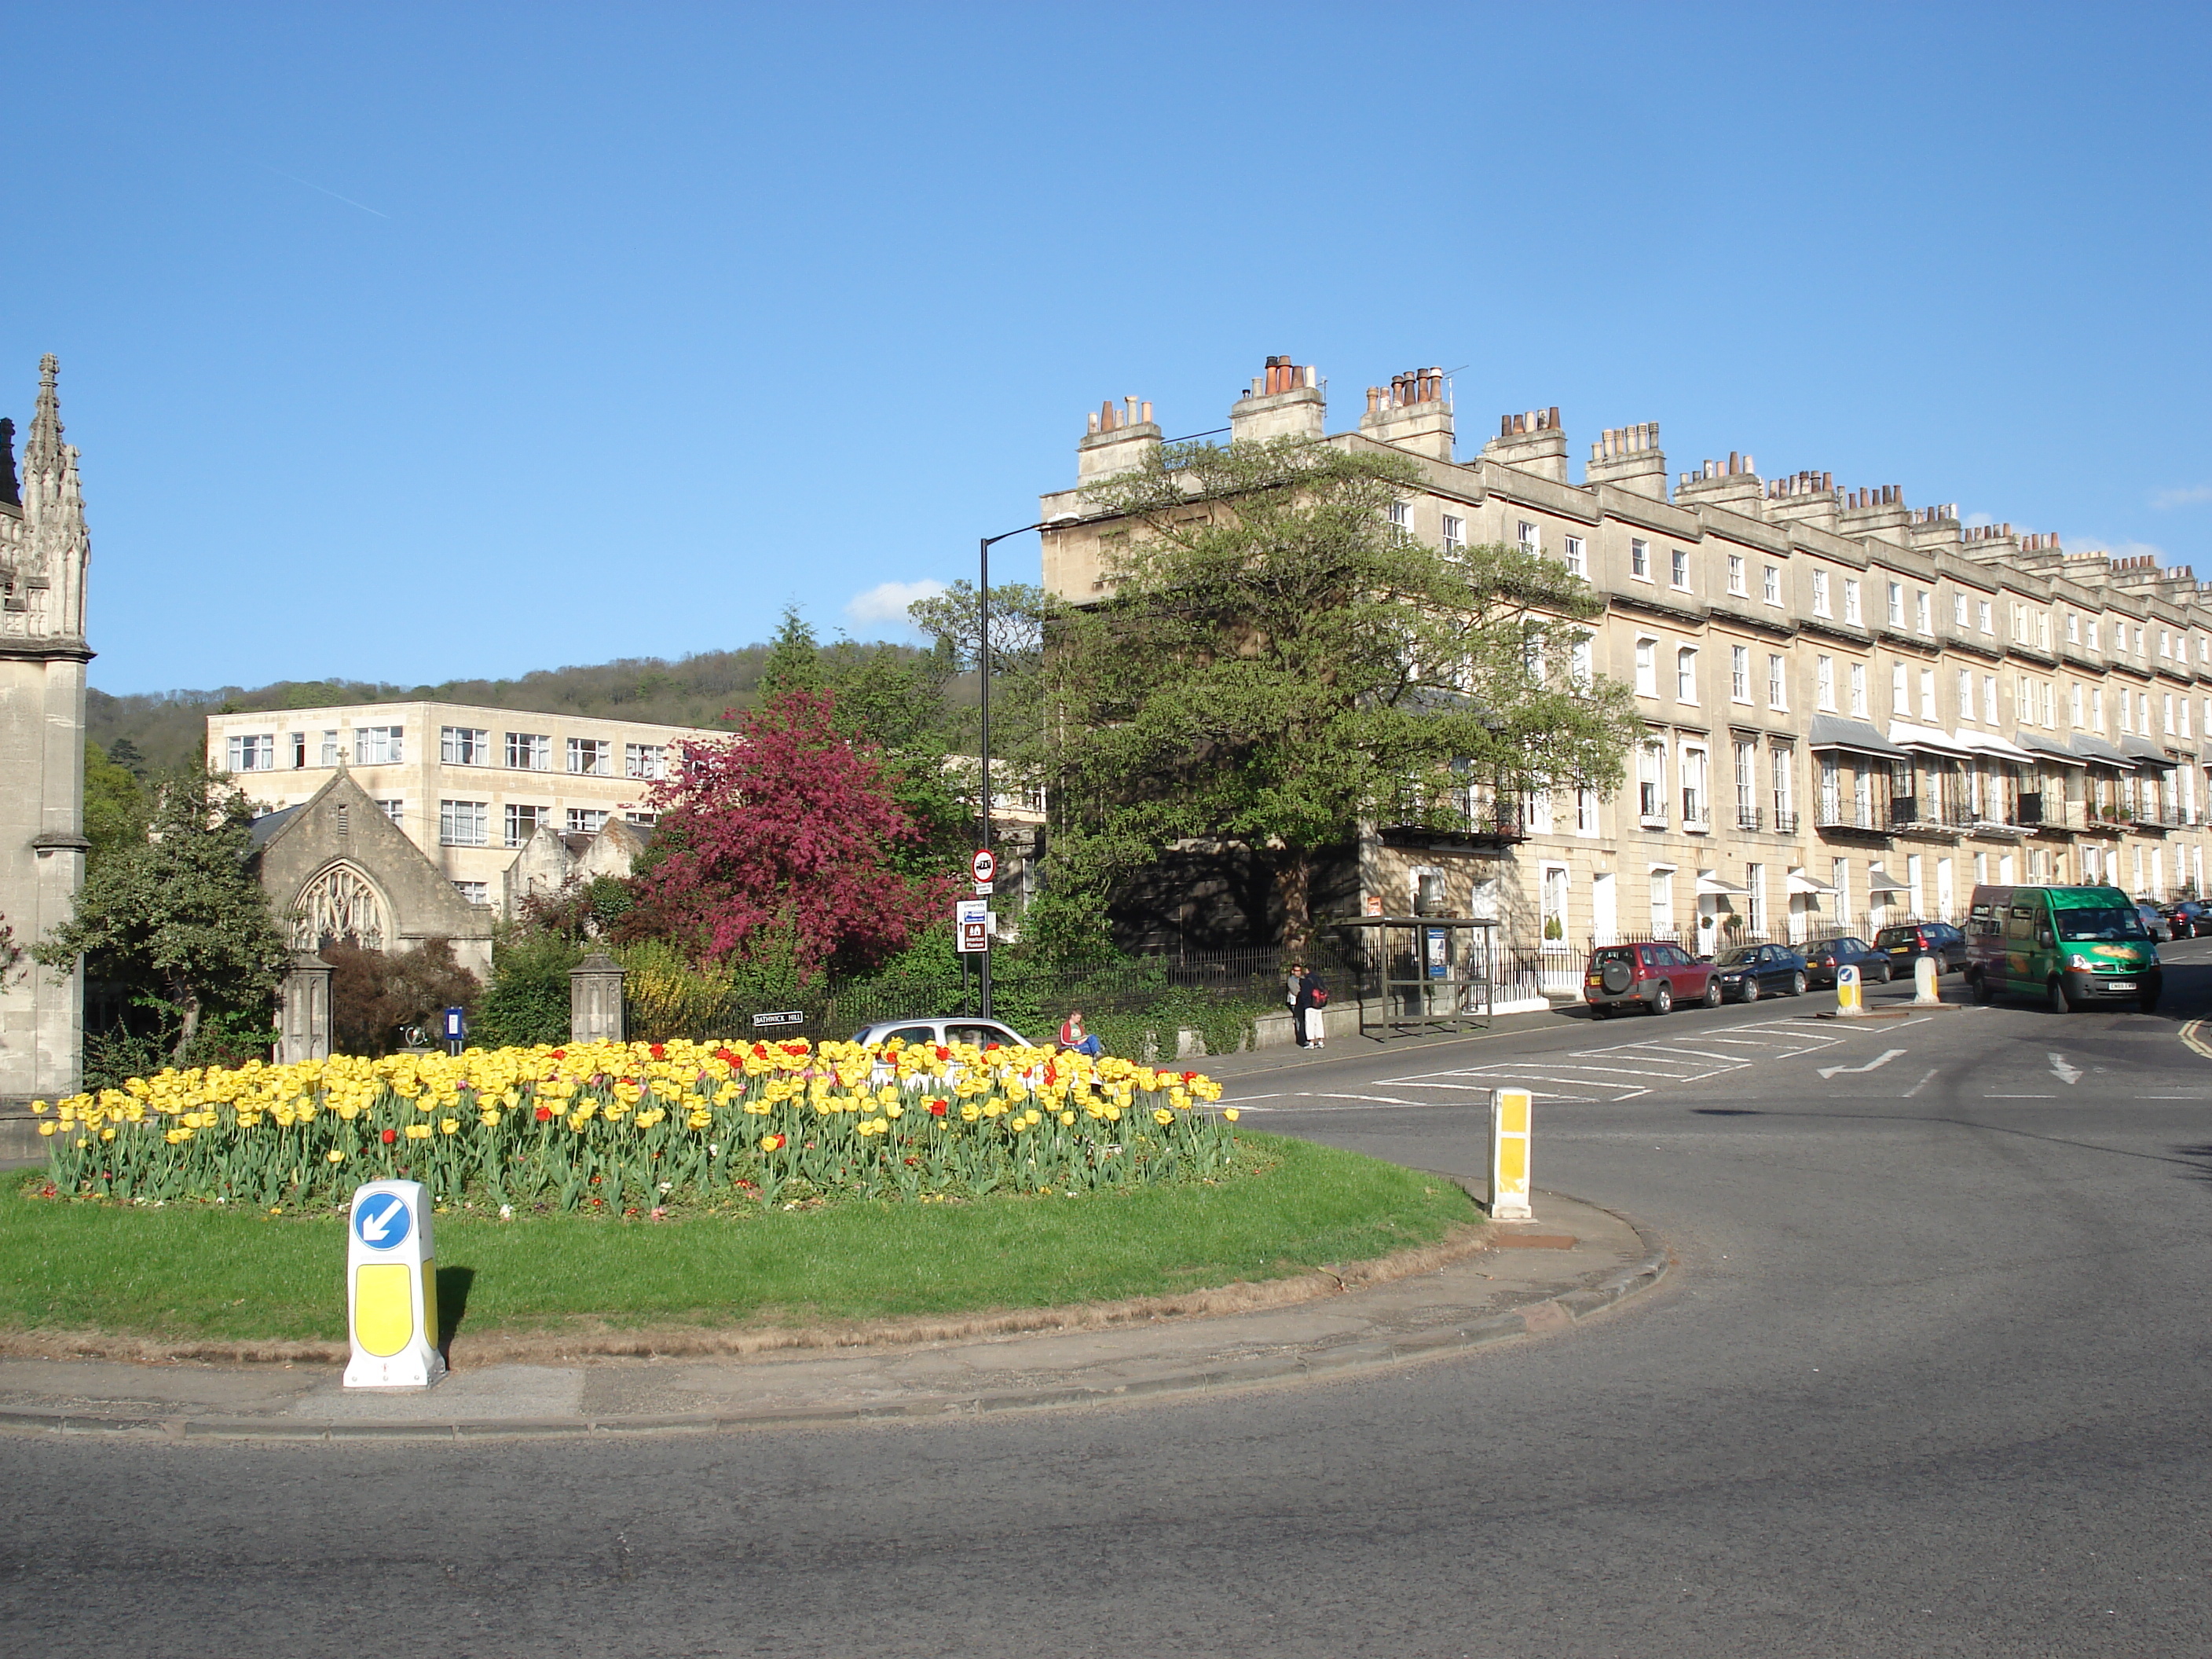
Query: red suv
x=1656 y=975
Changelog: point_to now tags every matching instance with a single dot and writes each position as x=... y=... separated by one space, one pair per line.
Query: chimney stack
x=1629 y=457
x=1414 y=414
x=1121 y=439
x=1734 y=484
x=1531 y=442
x=1288 y=400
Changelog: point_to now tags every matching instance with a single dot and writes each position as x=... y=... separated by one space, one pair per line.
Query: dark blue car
x=1751 y=971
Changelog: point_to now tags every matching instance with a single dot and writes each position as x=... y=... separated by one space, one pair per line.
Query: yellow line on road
x=2193 y=1035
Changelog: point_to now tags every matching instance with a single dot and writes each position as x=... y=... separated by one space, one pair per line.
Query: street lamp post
x=983 y=677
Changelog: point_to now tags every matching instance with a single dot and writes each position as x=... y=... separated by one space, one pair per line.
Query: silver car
x=945 y=1031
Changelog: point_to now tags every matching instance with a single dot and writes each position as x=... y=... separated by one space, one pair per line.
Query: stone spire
x=54 y=537
x=43 y=451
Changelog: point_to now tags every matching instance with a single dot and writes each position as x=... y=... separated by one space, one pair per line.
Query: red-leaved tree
x=781 y=835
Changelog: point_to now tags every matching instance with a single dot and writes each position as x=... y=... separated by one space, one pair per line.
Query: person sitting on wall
x=1076 y=1040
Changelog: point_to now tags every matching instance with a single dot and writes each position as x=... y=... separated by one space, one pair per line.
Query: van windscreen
x=2077 y=924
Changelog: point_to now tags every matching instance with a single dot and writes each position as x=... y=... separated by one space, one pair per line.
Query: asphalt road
x=1930 y=1379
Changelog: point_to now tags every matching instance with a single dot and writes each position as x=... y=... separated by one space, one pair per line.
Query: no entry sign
x=984 y=866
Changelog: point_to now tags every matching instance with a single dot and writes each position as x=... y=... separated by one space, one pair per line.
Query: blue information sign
x=457 y=1024
x=384 y=1222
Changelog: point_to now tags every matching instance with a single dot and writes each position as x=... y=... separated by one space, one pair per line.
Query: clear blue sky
x=405 y=341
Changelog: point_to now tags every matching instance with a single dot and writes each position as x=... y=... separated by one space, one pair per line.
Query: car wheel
x=1978 y=984
x=1712 y=996
x=1798 y=983
x=1662 y=1000
x=1600 y=1011
x=1885 y=978
x=2060 y=1002
x=1750 y=988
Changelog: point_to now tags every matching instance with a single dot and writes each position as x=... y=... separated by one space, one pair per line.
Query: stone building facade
x=1854 y=709
x=43 y=553
x=501 y=801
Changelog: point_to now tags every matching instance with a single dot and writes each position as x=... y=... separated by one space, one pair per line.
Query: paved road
x=1930 y=1379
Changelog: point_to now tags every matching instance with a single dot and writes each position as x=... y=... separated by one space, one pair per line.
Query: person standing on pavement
x=1305 y=996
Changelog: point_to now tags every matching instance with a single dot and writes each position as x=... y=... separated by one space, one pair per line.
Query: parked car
x=2189 y=919
x=944 y=1030
x=1907 y=943
x=1649 y=973
x=1751 y=971
x=2070 y=946
x=1823 y=958
x=2153 y=924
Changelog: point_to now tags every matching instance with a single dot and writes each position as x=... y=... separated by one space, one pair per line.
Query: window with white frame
x=1697 y=810
x=2184 y=718
x=1831 y=790
x=464 y=745
x=1851 y=600
x=1401 y=516
x=1747 y=783
x=1771 y=584
x=530 y=752
x=647 y=820
x=1784 y=771
x=1858 y=689
x=1989 y=699
x=475 y=892
x=1647 y=668
x=2091 y=629
x=1824 y=682
x=1735 y=576
x=522 y=822
x=1740 y=673
x=329 y=749
x=1639 y=558
x=2169 y=713
x=378 y=745
x=2043 y=630
x=1651 y=782
x=1920 y=621
x=463 y=823
x=393 y=807
x=2097 y=707
x=586 y=820
x=1578 y=562
x=645 y=760
x=1586 y=812
x=254 y=753
x=1777 y=681
x=591 y=757
x=2140 y=651
x=1532 y=537
x=1900 y=691
x=1983 y=617
x=1928 y=696
x=1679 y=570
x=1958 y=609
x=1686 y=675
x=1897 y=604
x=2077 y=700
x=1454 y=532
x=1820 y=594
x=1662 y=900
x=1966 y=694
x=2073 y=627
x=297 y=745
x=1579 y=668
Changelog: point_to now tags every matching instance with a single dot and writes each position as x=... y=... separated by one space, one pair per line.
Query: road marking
x=2020 y=1096
x=1922 y=1084
x=2192 y=1037
x=1887 y=1055
x=2065 y=1074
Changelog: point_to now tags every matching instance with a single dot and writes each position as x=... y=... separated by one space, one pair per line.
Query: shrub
x=528 y=998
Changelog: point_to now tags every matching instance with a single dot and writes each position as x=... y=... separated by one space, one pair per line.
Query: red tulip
x=936 y=1108
x=544 y=1114
x=391 y=1135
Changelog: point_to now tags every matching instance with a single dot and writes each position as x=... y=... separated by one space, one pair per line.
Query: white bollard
x=392 y=1288
x=1924 y=983
x=1510 y=1112
x=1850 y=1003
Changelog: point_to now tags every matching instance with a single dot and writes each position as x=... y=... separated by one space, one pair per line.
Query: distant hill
x=710 y=690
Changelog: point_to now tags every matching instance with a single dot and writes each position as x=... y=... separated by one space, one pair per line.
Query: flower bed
x=632 y=1128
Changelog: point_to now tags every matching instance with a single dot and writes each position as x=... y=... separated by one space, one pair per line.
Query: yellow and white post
x=392 y=1288
x=1849 y=1002
x=1510 y=1110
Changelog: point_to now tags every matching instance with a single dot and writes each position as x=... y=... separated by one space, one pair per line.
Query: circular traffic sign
x=383 y=1221
x=984 y=865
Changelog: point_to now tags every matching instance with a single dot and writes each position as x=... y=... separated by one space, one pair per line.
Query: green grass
x=218 y=1274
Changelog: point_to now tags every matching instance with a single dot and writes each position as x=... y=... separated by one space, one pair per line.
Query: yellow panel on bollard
x=1848 y=1001
x=392 y=1288
x=1510 y=1110
x=1924 y=983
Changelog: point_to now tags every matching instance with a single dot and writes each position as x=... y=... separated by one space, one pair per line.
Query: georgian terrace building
x=1854 y=709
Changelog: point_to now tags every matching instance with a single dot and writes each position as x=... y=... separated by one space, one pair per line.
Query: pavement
x=1532 y=1277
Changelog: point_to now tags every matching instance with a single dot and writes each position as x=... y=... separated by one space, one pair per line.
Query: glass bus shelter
x=1423 y=973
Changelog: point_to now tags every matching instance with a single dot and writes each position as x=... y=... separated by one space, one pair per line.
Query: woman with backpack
x=1307 y=997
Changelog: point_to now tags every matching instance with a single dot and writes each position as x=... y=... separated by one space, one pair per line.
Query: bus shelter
x=1424 y=973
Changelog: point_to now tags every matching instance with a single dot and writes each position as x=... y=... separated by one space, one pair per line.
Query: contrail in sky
x=310 y=184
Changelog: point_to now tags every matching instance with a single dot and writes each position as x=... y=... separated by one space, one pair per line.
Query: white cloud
x=2187 y=497
x=881 y=611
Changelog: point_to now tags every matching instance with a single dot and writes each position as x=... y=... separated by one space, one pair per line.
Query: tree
x=795 y=659
x=1018 y=616
x=178 y=914
x=1279 y=663
x=116 y=803
x=373 y=994
x=784 y=838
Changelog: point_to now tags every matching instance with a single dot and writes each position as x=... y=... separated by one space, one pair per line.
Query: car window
x=1614 y=953
x=978 y=1035
x=1739 y=956
x=911 y=1034
x=2113 y=924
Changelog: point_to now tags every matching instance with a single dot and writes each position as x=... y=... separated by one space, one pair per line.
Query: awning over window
x=1712 y=886
x=2096 y=749
x=1799 y=882
x=2047 y=748
x=1926 y=739
x=1834 y=731
x=2144 y=752
x=1879 y=880
x=1988 y=744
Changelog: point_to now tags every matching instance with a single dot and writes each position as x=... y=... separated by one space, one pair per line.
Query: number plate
x=2121 y=985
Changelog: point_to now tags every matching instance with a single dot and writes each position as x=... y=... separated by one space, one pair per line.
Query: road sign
x=1849 y=1000
x=983 y=890
x=392 y=1288
x=971 y=924
x=984 y=866
x=787 y=1017
x=457 y=1024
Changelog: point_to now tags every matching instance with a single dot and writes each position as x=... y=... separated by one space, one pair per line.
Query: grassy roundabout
x=229 y=1273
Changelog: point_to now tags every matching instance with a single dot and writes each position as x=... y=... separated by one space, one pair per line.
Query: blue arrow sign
x=383 y=1222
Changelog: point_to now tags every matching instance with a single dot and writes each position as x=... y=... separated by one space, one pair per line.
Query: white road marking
x=2065 y=1074
x=2020 y=1096
x=1887 y=1055
x=1922 y=1084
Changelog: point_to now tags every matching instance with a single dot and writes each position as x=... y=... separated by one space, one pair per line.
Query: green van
x=2072 y=945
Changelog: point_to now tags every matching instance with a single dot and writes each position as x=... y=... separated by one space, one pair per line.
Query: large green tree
x=1280 y=662
x=176 y=912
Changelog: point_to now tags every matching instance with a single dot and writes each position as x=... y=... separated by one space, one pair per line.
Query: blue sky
x=404 y=343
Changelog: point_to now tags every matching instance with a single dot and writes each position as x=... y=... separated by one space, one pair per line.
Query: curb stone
x=1326 y=1358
